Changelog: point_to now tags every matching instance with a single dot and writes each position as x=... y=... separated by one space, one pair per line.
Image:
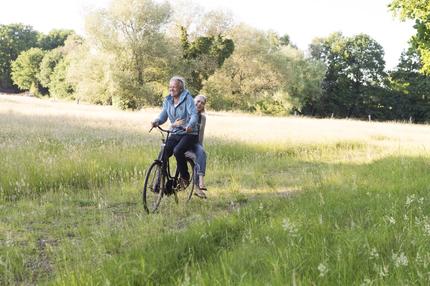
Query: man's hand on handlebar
x=154 y=124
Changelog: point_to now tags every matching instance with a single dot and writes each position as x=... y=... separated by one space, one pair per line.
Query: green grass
x=336 y=213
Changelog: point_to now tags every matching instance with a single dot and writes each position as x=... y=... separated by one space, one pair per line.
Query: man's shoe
x=183 y=183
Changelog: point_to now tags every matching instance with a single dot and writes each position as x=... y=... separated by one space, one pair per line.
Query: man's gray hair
x=179 y=79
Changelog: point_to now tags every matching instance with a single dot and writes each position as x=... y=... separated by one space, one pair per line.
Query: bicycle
x=159 y=181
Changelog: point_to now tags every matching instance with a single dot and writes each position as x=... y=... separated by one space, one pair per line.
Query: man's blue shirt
x=185 y=110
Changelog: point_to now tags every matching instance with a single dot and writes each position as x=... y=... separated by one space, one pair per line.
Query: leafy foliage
x=134 y=47
x=14 y=39
x=130 y=33
x=26 y=70
x=355 y=67
x=410 y=99
x=59 y=86
x=418 y=10
x=54 y=39
x=203 y=57
x=263 y=75
x=47 y=66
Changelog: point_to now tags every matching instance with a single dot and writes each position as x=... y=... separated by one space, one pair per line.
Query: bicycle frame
x=165 y=165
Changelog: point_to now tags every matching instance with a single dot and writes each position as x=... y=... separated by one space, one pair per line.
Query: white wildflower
x=410 y=199
x=419 y=259
x=289 y=226
x=323 y=269
x=426 y=227
x=374 y=253
x=390 y=219
x=366 y=281
x=400 y=259
x=383 y=271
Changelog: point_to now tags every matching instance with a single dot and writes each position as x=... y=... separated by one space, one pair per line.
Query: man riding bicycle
x=179 y=108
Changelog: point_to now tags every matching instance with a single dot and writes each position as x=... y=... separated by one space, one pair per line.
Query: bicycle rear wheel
x=154 y=187
x=184 y=194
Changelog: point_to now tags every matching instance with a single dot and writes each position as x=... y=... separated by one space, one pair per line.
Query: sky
x=302 y=20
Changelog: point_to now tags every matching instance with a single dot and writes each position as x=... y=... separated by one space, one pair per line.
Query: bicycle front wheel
x=154 y=187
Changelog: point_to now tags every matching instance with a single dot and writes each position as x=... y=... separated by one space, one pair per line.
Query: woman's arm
x=202 y=128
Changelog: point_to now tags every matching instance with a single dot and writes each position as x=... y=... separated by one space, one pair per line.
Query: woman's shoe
x=199 y=193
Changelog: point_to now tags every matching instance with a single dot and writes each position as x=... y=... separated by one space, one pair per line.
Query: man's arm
x=192 y=111
x=162 y=117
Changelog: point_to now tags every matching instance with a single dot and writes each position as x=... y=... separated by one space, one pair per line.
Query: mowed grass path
x=292 y=201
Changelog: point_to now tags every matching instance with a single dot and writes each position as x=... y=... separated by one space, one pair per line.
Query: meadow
x=292 y=201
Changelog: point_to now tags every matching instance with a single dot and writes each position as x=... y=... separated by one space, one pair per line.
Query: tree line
x=132 y=48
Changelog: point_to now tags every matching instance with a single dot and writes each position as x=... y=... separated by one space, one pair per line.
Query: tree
x=264 y=75
x=284 y=40
x=131 y=34
x=47 y=66
x=54 y=39
x=54 y=68
x=354 y=67
x=26 y=69
x=14 y=39
x=418 y=10
x=411 y=89
x=59 y=86
x=242 y=82
x=203 y=56
x=199 y=22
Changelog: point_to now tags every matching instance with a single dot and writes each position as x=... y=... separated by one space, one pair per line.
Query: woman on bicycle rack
x=199 y=151
x=179 y=106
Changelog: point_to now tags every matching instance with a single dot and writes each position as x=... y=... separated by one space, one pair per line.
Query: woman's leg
x=186 y=142
x=201 y=164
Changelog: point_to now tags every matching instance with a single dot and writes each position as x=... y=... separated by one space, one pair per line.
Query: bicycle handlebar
x=164 y=130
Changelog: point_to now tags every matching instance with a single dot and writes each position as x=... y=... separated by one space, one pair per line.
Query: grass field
x=292 y=201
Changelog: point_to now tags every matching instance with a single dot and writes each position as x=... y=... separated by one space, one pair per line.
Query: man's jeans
x=178 y=145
